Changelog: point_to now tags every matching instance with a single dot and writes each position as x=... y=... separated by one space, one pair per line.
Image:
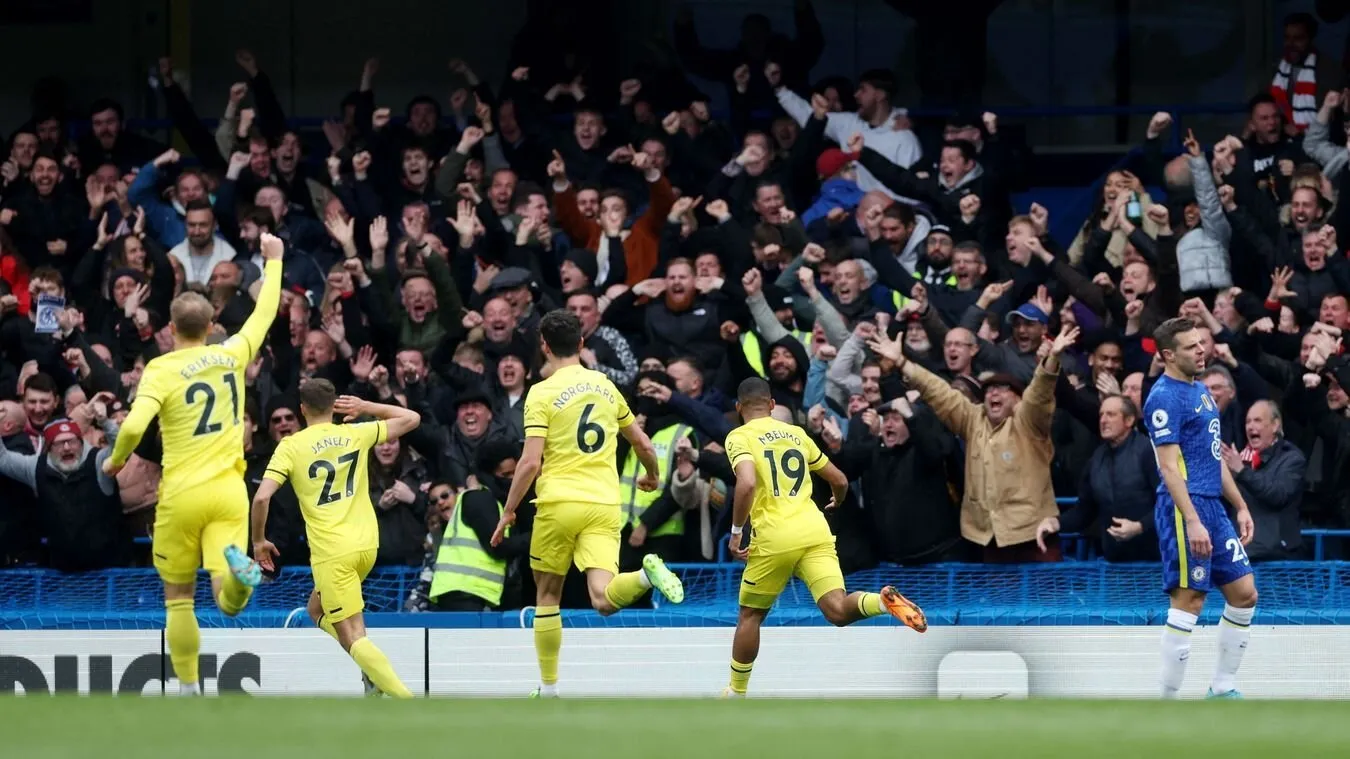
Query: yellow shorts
x=338 y=583
x=767 y=574
x=193 y=528
x=586 y=534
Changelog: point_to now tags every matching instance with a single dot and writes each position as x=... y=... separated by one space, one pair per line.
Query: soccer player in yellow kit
x=327 y=465
x=773 y=462
x=571 y=423
x=197 y=390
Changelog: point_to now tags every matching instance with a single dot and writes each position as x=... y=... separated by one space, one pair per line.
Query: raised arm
x=254 y=331
x=398 y=421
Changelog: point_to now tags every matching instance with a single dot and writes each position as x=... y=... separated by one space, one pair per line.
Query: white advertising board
x=866 y=662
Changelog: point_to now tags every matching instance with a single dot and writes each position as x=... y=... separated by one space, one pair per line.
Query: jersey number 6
x=204 y=425
x=586 y=428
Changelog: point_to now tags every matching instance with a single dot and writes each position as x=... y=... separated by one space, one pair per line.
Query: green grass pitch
x=293 y=728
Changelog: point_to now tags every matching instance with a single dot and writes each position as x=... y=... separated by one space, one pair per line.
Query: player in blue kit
x=1200 y=548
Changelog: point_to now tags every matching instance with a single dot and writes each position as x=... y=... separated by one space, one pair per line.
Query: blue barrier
x=1070 y=593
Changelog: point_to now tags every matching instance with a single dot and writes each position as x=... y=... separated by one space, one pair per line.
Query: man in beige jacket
x=1008 y=451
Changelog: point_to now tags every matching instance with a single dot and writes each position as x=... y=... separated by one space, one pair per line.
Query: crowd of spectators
x=810 y=238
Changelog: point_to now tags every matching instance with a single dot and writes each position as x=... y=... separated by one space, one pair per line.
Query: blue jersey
x=1185 y=414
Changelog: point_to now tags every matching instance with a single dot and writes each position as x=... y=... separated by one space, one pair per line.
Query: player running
x=327 y=466
x=773 y=461
x=202 y=515
x=571 y=421
x=1200 y=550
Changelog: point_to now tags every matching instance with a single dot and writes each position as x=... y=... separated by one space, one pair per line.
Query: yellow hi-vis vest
x=900 y=300
x=754 y=352
x=462 y=564
x=636 y=501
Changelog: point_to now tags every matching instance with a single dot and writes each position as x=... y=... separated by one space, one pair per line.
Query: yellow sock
x=376 y=665
x=869 y=604
x=184 y=638
x=327 y=626
x=233 y=596
x=740 y=676
x=627 y=588
x=548 y=641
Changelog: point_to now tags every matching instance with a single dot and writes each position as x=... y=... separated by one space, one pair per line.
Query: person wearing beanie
x=839 y=185
x=874 y=120
x=79 y=505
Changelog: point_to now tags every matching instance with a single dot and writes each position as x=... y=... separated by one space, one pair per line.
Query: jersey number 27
x=329 y=472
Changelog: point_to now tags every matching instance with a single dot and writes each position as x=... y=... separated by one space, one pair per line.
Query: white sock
x=1234 y=632
x=644 y=579
x=548 y=690
x=189 y=689
x=1176 y=649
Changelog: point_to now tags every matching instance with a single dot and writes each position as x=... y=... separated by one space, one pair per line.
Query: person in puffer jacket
x=839 y=185
x=1202 y=250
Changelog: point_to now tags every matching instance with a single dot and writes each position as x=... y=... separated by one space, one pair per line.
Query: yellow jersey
x=198 y=394
x=328 y=467
x=578 y=412
x=782 y=515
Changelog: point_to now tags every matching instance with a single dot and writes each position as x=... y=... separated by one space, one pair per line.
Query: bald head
x=12 y=418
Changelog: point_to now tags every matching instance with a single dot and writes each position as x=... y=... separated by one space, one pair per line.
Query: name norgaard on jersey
x=579 y=389
x=330 y=442
x=205 y=362
x=773 y=435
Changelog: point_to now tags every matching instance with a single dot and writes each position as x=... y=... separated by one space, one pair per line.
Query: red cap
x=58 y=428
x=832 y=161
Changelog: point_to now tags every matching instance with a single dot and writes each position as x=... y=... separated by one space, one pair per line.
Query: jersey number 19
x=793 y=465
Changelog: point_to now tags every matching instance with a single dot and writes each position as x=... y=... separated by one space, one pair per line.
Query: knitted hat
x=58 y=428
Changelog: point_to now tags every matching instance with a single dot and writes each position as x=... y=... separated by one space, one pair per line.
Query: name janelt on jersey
x=331 y=442
x=579 y=389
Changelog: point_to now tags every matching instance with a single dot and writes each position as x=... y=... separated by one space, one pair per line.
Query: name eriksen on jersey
x=331 y=442
x=773 y=435
x=207 y=361
x=578 y=389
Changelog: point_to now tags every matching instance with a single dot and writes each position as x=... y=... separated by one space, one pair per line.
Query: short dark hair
x=966 y=147
x=1304 y=20
x=201 y=204
x=561 y=331
x=524 y=191
x=1165 y=336
x=1264 y=98
x=48 y=274
x=766 y=234
x=882 y=79
x=586 y=291
x=318 y=394
x=901 y=212
x=106 y=104
x=493 y=451
x=762 y=183
x=689 y=359
x=754 y=391
x=41 y=382
x=261 y=218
